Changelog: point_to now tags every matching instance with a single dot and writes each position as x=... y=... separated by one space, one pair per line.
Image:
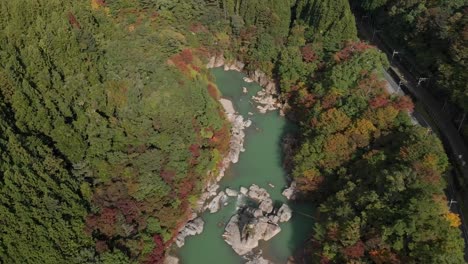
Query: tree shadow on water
x=303 y=216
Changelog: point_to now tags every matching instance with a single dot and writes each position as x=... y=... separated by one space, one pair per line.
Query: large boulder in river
x=230 y=192
x=244 y=231
x=284 y=213
x=257 y=193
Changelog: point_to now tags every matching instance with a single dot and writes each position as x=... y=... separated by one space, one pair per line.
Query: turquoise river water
x=260 y=164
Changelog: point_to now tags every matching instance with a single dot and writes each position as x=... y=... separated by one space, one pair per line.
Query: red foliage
x=249 y=33
x=213 y=91
x=329 y=100
x=167 y=176
x=129 y=209
x=378 y=101
x=196 y=68
x=186 y=56
x=101 y=246
x=195 y=150
x=73 y=21
x=355 y=251
x=427 y=174
x=104 y=222
x=324 y=260
x=100 y=2
x=183 y=59
x=350 y=49
x=308 y=54
x=371 y=84
x=185 y=188
x=198 y=27
x=404 y=103
x=157 y=255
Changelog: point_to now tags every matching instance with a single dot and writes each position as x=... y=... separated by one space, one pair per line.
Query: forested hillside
x=104 y=141
x=110 y=125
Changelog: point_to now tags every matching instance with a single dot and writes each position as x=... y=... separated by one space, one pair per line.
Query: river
x=260 y=164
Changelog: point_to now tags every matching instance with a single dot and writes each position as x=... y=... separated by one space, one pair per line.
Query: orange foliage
x=361 y=132
x=333 y=120
x=371 y=84
x=355 y=251
x=337 y=149
x=384 y=256
x=454 y=219
x=329 y=100
x=311 y=181
x=383 y=117
x=182 y=60
x=213 y=91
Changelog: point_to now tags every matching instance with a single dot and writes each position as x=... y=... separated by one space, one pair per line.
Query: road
x=453 y=142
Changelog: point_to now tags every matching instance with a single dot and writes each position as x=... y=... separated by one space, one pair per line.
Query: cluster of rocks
x=252 y=224
x=236 y=145
x=267 y=97
x=218 y=200
x=266 y=101
x=193 y=227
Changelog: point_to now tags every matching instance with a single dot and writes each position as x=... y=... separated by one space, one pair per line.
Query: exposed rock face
x=284 y=213
x=230 y=192
x=266 y=206
x=216 y=203
x=257 y=193
x=209 y=191
x=243 y=232
x=290 y=192
x=267 y=97
x=247 y=80
x=266 y=100
x=244 y=190
x=250 y=225
x=173 y=260
x=193 y=227
x=236 y=145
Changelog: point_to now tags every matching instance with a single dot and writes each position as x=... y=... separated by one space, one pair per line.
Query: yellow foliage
x=94 y=5
x=453 y=219
x=383 y=117
x=431 y=161
x=310 y=174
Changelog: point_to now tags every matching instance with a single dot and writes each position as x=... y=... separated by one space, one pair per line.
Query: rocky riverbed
x=255 y=215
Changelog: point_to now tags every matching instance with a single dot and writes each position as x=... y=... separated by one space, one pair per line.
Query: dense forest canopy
x=435 y=34
x=110 y=128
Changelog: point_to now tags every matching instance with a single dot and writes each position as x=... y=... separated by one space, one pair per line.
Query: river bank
x=260 y=164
